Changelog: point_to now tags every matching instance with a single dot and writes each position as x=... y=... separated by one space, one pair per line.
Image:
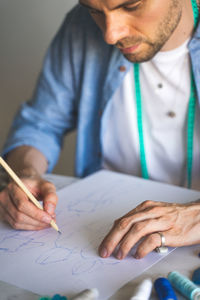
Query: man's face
x=139 y=28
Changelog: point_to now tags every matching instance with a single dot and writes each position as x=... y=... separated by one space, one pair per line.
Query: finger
x=113 y=238
x=49 y=197
x=6 y=205
x=178 y=235
x=124 y=224
x=115 y=235
x=138 y=231
x=3 y=199
x=21 y=226
x=18 y=219
x=149 y=244
x=26 y=207
x=22 y=221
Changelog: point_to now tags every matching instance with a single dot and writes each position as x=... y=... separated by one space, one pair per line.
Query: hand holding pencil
x=16 y=207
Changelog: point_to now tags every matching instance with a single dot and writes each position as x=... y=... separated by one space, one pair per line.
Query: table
x=185 y=260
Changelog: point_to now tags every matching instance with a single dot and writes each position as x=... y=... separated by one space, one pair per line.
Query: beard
x=147 y=50
x=149 y=47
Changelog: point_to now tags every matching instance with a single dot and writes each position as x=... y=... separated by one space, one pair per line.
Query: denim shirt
x=79 y=76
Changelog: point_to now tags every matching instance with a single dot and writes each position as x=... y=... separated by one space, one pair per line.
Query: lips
x=129 y=50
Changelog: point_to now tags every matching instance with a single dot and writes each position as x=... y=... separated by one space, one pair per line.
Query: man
x=130 y=117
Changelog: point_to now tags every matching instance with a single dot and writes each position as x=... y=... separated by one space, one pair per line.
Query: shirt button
x=171 y=114
x=122 y=68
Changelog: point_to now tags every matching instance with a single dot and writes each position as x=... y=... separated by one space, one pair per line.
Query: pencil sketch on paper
x=58 y=251
x=87 y=264
x=63 y=248
x=84 y=258
x=92 y=203
x=85 y=213
x=15 y=242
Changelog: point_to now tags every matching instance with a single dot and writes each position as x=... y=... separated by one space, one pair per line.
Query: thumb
x=49 y=197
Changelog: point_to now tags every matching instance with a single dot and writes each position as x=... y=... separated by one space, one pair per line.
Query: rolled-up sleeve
x=43 y=121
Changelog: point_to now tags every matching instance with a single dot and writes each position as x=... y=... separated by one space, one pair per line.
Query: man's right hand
x=17 y=210
x=15 y=207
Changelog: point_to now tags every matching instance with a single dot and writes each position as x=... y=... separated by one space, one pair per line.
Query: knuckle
x=48 y=183
x=20 y=205
x=147 y=203
x=18 y=217
x=141 y=252
x=49 y=186
x=122 y=223
x=155 y=209
x=53 y=198
x=15 y=225
x=110 y=244
x=152 y=239
x=138 y=226
x=125 y=246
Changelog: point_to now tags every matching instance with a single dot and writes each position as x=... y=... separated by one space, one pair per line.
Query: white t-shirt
x=165 y=87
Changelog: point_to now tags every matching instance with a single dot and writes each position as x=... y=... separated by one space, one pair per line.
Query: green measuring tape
x=195 y=12
x=190 y=121
x=139 y=122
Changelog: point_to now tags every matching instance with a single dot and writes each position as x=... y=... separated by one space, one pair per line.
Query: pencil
x=18 y=181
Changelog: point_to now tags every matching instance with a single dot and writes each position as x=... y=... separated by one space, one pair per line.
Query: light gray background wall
x=26 y=29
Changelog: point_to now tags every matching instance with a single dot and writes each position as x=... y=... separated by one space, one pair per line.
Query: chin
x=142 y=55
x=139 y=57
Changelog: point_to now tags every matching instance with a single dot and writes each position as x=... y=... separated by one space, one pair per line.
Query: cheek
x=148 y=19
x=144 y=27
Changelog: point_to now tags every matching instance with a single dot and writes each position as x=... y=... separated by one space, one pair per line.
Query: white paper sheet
x=60 y=181
x=47 y=263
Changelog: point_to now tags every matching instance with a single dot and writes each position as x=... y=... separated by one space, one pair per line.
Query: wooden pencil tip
x=59 y=232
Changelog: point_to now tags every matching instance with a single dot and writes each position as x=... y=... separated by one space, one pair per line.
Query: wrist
x=27 y=161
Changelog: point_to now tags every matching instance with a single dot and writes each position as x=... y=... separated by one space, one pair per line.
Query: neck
x=184 y=29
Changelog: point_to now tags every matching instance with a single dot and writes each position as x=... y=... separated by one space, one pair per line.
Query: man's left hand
x=179 y=223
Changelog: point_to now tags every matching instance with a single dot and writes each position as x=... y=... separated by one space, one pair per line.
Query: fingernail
x=47 y=219
x=119 y=255
x=103 y=252
x=50 y=208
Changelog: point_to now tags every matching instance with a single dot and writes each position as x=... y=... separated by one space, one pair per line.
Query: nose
x=115 y=29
